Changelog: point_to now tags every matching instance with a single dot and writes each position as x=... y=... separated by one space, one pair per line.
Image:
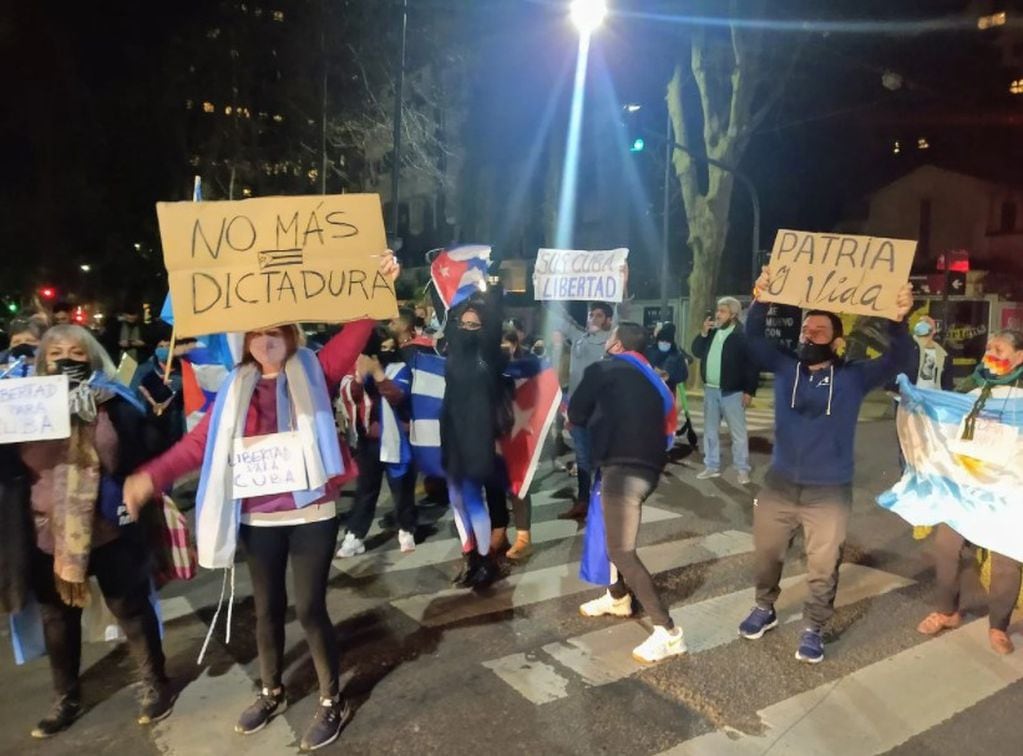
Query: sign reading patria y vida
x=255 y=263
x=573 y=274
x=34 y=409
x=840 y=273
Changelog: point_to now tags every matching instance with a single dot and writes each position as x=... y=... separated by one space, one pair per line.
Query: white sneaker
x=661 y=644
x=607 y=604
x=708 y=473
x=351 y=546
x=743 y=478
x=407 y=541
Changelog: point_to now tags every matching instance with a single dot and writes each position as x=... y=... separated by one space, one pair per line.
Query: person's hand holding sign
x=903 y=302
x=389 y=265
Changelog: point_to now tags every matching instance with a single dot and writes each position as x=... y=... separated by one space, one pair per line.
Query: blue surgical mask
x=664 y=346
x=923 y=328
x=162 y=353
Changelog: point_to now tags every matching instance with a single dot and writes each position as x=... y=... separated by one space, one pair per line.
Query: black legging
x=311 y=548
x=121 y=568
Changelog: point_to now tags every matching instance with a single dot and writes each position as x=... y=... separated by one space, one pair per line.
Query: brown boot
x=577 y=512
x=522 y=548
x=1000 y=641
x=499 y=541
x=935 y=622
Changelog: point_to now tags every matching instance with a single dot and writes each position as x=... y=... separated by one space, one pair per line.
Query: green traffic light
x=11 y=307
x=637 y=145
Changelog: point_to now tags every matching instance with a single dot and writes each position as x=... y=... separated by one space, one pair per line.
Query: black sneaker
x=157 y=703
x=470 y=563
x=484 y=575
x=65 y=711
x=330 y=718
x=256 y=717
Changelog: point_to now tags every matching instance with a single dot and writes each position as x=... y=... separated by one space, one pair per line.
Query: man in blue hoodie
x=817 y=399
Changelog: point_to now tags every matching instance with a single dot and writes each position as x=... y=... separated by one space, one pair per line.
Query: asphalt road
x=518 y=670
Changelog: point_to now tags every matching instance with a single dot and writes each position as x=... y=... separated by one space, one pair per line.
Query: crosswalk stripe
x=548 y=583
x=877 y=707
x=602 y=656
x=205 y=714
x=445 y=550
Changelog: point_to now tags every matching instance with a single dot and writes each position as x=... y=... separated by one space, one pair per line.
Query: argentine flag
x=973 y=486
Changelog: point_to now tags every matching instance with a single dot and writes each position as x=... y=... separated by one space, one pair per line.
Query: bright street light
x=587 y=15
x=85 y=268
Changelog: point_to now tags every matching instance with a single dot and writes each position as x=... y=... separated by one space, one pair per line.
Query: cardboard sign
x=839 y=273
x=34 y=409
x=265 y=465
x=573 y=274
x=256 y=263
x=992 y=441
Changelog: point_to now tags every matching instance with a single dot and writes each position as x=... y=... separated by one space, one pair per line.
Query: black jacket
x=738 y=370
x=623 y=413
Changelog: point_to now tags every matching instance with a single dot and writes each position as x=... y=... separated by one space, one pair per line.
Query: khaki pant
x=823 y=513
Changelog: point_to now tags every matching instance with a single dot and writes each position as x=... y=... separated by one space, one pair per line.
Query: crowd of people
x=346 y=411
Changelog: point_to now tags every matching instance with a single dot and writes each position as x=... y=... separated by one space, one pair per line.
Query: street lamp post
x=399 y=92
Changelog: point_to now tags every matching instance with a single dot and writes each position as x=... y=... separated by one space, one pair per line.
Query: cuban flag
x=460 y=272
x=974 y=485
x=535 y=405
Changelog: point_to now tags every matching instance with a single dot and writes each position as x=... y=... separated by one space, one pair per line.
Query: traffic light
x=637 y=145
x=12 y=307
x=48 y=293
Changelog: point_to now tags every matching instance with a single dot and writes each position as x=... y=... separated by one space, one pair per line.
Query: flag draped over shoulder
x=535 y=403
x=973 y=486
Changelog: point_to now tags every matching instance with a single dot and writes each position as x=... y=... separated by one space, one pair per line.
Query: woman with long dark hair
x=280 y=388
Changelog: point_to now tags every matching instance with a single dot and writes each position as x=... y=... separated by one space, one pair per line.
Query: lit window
x=246 y=192
x=279 y=16
x=922 y=144
x=207 y=107
x=188 y=104
x=1016 y=86
x=990 y=22
x=227 y=110
x=896 y=148
x=313 y=174
x=278 y=118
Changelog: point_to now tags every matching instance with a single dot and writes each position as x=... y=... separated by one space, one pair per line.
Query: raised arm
x=337 y=358
x=560 y=320
x=881 y=370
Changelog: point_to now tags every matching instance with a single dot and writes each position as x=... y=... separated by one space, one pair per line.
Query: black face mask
x=28 y=351
x=814 y=354
x=77 y=371
x=387 y=357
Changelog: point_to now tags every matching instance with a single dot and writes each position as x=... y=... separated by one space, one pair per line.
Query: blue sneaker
x=811 y=647
x=757 y=623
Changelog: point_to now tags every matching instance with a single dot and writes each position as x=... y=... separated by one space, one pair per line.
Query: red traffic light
x=48 y=292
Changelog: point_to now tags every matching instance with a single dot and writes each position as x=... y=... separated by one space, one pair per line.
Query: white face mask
x=268 y=350
x=664 y=346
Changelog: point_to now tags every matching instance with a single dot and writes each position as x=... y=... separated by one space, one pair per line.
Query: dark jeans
x=311 y=548
x=367 y=490
x=121 y=568
x=823 y=512
x=1005 y=578
x=623 y=491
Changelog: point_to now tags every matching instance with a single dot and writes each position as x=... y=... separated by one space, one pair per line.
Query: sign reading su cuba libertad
x=837 y=272
x=573 y=274
x=248 y=264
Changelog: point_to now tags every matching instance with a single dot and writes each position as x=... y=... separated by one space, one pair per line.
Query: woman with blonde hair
x=279 y=388
x=75 y=494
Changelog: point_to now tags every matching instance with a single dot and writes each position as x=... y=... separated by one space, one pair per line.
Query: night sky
x=96 y=132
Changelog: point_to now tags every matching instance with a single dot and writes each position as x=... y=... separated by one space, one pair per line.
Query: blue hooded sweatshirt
x=815 y=413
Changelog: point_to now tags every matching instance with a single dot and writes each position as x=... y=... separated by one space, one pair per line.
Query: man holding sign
x=809 y=484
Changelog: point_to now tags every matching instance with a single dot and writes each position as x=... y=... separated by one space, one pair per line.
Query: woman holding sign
x=271 y=468
x=75 y=497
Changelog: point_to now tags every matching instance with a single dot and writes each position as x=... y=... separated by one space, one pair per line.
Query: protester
x=377 y=398
x=999 y=376
x=160 y=390
x=473 y=415
x=729 y=384
x=587 y=348
x=522 y=508
x=75 y=496
x=817 y=400
x=25 y=336
x=279 y=386
x=61 y=313
x=629 y=413
x=130 y=341
x=667 y=359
